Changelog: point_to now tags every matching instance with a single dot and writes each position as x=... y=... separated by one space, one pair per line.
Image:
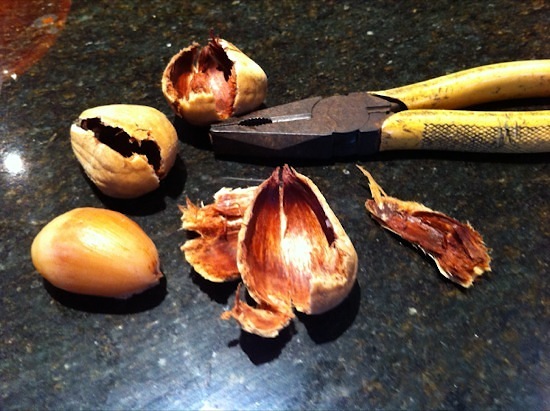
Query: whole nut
x=124 y=149
x=96 y=252
x=207 y=85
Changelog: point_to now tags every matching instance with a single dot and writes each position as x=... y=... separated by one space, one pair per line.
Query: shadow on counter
x=218 y=292
x=171 y=186
x=144 y=301
x=321 y=328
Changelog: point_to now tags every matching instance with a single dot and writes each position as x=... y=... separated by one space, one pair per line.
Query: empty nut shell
x=292 y=252
x=96 y=252
x=207 y=85
x=124 y=149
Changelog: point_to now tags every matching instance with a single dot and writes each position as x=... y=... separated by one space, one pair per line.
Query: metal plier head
x=316 y=127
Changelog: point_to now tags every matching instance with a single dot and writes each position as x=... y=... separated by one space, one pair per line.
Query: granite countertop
x=405 y=338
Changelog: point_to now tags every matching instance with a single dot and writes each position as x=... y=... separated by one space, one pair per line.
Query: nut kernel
x=97 y=252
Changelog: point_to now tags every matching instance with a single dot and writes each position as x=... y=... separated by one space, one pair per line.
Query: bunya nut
x=96 y=252
x=126 y=150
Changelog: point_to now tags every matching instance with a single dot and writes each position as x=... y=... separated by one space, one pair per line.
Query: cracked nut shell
x=124 y=149
x=209 y=84
x=96 y=252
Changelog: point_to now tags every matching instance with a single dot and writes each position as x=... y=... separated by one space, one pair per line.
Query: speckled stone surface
x=405 y=338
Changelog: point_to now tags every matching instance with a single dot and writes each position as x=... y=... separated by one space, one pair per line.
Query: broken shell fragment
x=213 y=254
x=96 y=252
x=210 y=84
x=457 y=249
x=126 y=150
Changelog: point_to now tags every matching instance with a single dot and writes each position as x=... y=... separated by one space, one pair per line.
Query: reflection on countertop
x=27 y=32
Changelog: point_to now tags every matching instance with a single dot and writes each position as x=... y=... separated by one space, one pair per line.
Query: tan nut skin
x=208 y=85
x=140 y=170
x=96 y=252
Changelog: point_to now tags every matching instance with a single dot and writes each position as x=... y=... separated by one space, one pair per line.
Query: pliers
x=420 y=116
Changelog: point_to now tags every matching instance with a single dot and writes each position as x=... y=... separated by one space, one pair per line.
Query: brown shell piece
x=213 y=254
x=457 y=249
x=210 y=84
x=292 y=253
x=285 y=243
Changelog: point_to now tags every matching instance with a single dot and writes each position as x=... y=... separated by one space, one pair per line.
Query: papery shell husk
x=457 y=248
x=213 y=254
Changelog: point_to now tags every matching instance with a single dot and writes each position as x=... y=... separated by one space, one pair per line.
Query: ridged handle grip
x=493 y=132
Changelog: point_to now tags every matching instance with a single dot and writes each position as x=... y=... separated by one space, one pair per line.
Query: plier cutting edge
x=420 y=116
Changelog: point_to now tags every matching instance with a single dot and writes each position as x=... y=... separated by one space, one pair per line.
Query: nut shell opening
x=120 y=141
x=210 y=84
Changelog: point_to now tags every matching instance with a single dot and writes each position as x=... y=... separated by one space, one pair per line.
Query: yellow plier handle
x=431 y=123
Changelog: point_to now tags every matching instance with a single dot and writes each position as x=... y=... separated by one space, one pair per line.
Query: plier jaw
x=313 y=128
